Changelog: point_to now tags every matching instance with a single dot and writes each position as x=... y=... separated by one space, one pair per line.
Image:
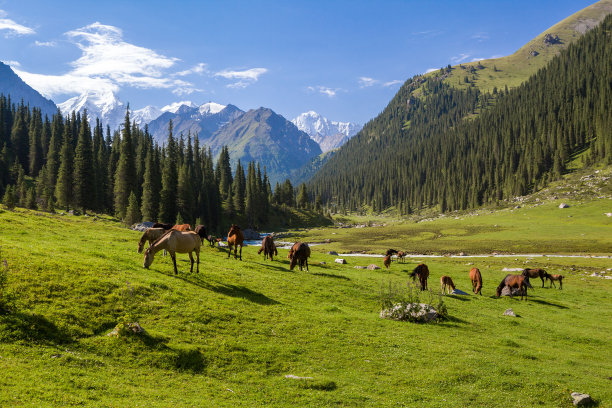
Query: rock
x=509 y=312
x=608 y=214
x=458 y=292
x=373 y=267
x=419 y=312
x=512 y=269
x=142 y=226
x=332 y=253
x=506 y=291
x=534 y=53
x=462 y=253
x=328 y=241
x=581 y=399
x=563 y=205
x=123 y=328
x=361 y=267
x=251 y=234
x=550 y=39
x=340 y=261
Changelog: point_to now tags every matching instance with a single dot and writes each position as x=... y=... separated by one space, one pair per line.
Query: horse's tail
x=527 y=282
x=260 y=249
x=275 y=251
x=501 y=286
x=415 y=271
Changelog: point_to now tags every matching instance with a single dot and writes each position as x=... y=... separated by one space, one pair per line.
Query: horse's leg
x=173 y=256
x=230 y=250
x=198 y=259
x=561 y=284
x=241 y=252
x=542 y=277
x=191 y=259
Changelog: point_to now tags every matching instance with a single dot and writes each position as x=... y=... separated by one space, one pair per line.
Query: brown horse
x=182 y=227
x=387 y=261
x=201 y=231
x=390 y=252
x=514 y=281
x=235 y=237
x=422 y=271
x=446 y=283
x=161 y=225
x=534 y=273
x=151 y=235
x=553 y=278
x=299 y=254
x=268 y=248
x=476 y=279
x=400 y=256
x=173 y=242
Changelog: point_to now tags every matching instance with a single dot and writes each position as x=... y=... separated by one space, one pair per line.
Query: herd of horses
x=180 y=238
x=519 y=282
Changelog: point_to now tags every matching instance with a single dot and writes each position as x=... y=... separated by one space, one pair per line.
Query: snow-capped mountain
x=103 y=105
x=328 y=134
x=174 y=107
x=145 y=115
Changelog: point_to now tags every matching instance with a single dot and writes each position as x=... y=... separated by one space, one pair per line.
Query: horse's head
x=140 y=246
x=233 y=230
x=292 y=263
x=148 y=258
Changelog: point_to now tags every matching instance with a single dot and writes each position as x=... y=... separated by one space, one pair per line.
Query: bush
x=410 y=303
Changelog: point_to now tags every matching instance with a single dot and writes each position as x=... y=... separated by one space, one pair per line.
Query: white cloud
x=431 y=70
x=13 y=27
x=45 y=43
x=13 y=64
x=188 y=90
x=394 y=82
x=365 y=82
x=245 y=77
x=486 y=58
x=331 y=92
x=197 y=69
x=460 y=58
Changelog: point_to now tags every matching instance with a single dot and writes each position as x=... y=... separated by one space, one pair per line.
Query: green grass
x=229 y=335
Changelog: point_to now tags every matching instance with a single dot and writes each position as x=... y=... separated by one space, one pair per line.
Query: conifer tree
x=185 y=197
x=302 y=197
x=167 y=202
x=35 y=154
x=150 y=193
x=83 y=181
x=9 y=200
x=125 y=175
x=19 y=137
x=239 y=189
x=132 y=214
x=63 y=186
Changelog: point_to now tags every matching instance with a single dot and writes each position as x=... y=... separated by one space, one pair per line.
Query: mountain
x=145 y=115
x=267 y=138
x=449 y=147
x=187 y=118
x=13 y=86
x=103 y=105
x=328 y=134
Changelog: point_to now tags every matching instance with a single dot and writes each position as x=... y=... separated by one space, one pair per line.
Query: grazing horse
x=235 y=237
x=514 y=281
x=211 y=240
x=151 y=235
x=160 y=225
x=201 y=231
x=400 y=256
x=476 y=279
x=553 y=278
x=173 y=242
x=387 y=261
x=390 y=252
x=182 y=227
x=299 y=254
x=422 y=271
x=446 y=283
x=268 y=248
x=534 y=273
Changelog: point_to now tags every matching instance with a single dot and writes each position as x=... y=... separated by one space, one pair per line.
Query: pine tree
x=167 y=202
x=35 y=154
x=302 y=197
x=9 y=200
x=132 y=214
x=239 y=189
x=185 y=197
x=125 y=175
x=150 y=193
x=83 y=181
x=19 y=137
x=63 y=186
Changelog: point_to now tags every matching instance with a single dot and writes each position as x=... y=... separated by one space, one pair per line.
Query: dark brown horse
x=299 y=254
x=211 y=240
x=160 y=225
x=446 y=283
x=520 y=282
x=534 y=273
x=268 y=248
x=387 y=261
x=476 y=279
x=422 y=271
x=235 y=237
x=390 y=252
x=553 y=278
x=201 y=231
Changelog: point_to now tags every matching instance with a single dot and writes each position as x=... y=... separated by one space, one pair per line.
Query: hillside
x=11 y=84
x=422 y=152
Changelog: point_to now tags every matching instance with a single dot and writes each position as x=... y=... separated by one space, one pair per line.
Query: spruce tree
x=83 y=181
x=35 y=154
x=167 y=201
x=132 y=214
x=125 y=175
x=63 y=186
x=150 y=193
x=239 y=189
x=185 y=197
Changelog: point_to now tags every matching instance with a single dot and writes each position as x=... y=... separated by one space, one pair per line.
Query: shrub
x=410 y=303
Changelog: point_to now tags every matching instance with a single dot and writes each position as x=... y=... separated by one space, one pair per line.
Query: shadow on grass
x=21 y=326
x=450 y=321
x=544 y=302
x=272 y=266
x=462 y=298
x=329 y=275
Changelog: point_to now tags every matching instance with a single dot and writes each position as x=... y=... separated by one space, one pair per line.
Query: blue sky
x=343 y=59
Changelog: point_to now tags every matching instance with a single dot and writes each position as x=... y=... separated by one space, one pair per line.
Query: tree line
x=435 y=145
x=62 y=163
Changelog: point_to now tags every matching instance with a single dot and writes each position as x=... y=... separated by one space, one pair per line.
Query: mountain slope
x=13 y=86
x=267 y=138
x=328 y=134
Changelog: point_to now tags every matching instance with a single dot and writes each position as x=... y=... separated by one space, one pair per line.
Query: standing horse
x=476 y=279
x=446 y=283
x=235 y=237
x=268 y=248
x=422 y=272
x=534 y=273
x=151 y=235
x=161 y=225
x=553 y=278
x=201 y=231
x=390 y=252
x=299 y=254
x=520 y=282
x=400 y=256
x=387 y=261
x=173 y=242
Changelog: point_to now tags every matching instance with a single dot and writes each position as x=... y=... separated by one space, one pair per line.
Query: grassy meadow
x=230 y=335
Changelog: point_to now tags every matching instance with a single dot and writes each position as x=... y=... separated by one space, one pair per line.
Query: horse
x=422 y=272
x=390 y=252
x=211 y=240
x=235 y=237
x=387 y=261
x=201 y=231
x=268 y=248
x=446 y=283
x=514 y=281
x=182 y=227
x=400 y=256
x=175 y=241
x=534 y=273
x=476 y=279
x=553 y=278
x=299 y=254
x=160 y=225
x=151 y=235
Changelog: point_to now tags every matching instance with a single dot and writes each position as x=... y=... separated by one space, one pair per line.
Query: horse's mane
x=170 y=231
x=502 y=284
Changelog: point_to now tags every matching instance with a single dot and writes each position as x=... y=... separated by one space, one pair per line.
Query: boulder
x=373 y=267
x=462 y=253
x=142 y=226
x=563 y=205
x=506 y=291
x=250 y=234
x=416 y=312
x=608 y=214
x=458 y=292
x=332 y=253
x=581 y=399
x=509 y=312
x=340 y=261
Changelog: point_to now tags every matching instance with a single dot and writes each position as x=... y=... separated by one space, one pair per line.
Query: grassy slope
x=514 y=69
x=228 y=336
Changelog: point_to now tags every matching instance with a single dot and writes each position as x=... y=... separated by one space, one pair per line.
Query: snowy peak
x=329 y=134
x=103 y=105
x=211 y=108
x=145 y=115
x=174 y=107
